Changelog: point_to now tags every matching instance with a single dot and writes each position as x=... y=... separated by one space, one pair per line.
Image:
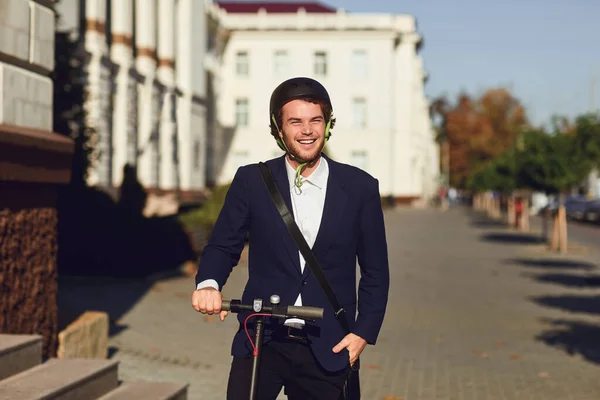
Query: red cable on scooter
x=254 y=349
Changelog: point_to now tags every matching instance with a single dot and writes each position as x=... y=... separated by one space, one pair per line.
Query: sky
x=546 y=51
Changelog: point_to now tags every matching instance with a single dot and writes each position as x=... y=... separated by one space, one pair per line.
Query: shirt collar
x=318 y=177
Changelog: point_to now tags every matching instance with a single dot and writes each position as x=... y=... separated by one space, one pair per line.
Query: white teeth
x=307 y=141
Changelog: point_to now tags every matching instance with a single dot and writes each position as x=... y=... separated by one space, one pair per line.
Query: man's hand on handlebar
x=208 y=301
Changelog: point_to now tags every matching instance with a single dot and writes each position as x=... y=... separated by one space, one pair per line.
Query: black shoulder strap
x=304 y=248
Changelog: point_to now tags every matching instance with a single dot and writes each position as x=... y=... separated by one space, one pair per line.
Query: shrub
x=206 y=216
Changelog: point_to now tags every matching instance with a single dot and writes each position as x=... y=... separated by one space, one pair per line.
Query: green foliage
x=500 y=174
x=552 y=163
x=207 y=215
x=506 y=172
x=549 y=162
x=477 y=181
x=587 y=139
x=542 y=164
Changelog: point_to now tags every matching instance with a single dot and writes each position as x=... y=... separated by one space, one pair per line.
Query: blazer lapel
x=333 y=211
x=281 y=179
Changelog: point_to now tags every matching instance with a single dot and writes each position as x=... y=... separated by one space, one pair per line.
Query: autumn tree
x=477 y=129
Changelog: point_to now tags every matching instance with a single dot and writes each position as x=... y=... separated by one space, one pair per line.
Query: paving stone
x=462 y=322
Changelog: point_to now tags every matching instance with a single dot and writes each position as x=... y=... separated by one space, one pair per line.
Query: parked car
x=592 y=212
x=575 y=207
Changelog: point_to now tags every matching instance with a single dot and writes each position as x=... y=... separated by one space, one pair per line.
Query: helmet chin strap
x=298 y=178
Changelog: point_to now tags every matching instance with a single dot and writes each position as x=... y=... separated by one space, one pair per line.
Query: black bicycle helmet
x=294 y=89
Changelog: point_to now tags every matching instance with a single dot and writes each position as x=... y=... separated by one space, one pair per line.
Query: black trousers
x=289 y=364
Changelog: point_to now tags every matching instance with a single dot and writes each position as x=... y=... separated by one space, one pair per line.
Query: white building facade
x=146 y=89
x=180 y=89
x=370 y=65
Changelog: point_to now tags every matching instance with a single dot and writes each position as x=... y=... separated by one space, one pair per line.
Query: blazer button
x=304 y=282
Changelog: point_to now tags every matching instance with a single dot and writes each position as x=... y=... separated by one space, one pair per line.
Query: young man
x=338 y=209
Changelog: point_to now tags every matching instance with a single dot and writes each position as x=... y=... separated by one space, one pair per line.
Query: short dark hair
x=326 y=109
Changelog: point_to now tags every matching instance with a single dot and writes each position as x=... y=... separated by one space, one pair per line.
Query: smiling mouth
x=310 y=141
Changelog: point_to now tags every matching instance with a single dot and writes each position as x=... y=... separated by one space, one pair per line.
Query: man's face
x=303 y=128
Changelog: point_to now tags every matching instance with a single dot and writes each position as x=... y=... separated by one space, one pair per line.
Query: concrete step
x=148 y=391
x=64 y=379
x=19 y=353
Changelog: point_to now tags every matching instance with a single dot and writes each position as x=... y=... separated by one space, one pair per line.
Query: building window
x=358 y=64
x=359 y=111
x=320 y=63
x=359 y=159
x=280 y=62
x=241 y=112
x=241 y=63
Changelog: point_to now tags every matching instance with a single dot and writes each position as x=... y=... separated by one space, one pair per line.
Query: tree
x=552 y=163
x=478 y=130
x=498 y=175
x=462 y=131
x=504 y=173
x=555 y=163
x=503 y=118
x=586 y=141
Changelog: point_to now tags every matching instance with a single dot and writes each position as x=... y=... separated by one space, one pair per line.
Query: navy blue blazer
x=352 y=227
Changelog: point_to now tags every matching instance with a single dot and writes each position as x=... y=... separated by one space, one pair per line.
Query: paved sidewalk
x=476 y=312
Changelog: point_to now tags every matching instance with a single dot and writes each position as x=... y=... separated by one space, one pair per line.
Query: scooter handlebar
x=305 y=312
x=302 y=312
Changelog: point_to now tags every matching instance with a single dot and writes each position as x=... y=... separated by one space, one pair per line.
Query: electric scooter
x=275 y=310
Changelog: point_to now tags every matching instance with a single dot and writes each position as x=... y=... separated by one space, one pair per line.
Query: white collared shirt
x=307 y=203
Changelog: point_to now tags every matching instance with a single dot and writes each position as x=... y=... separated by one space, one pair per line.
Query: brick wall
x=28 y=261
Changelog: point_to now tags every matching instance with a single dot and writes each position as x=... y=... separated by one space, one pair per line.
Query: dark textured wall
x=28 y=270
